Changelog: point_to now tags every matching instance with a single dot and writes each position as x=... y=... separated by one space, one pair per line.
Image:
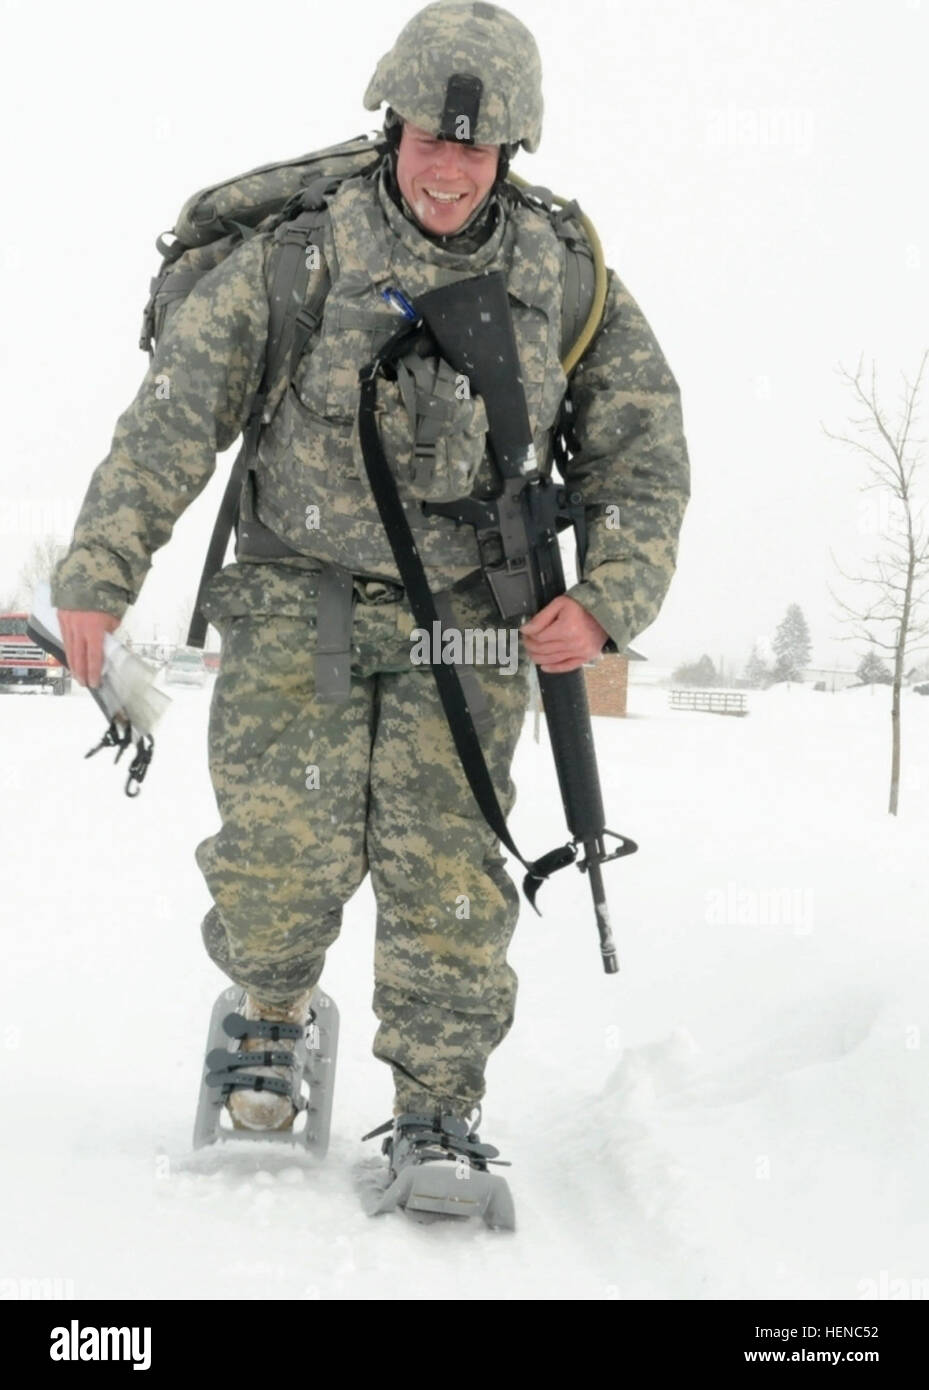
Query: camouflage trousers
x=313 y=795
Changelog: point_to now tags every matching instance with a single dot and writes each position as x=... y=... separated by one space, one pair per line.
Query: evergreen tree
x=873 y=671
x=791 y=645
x=701 y=673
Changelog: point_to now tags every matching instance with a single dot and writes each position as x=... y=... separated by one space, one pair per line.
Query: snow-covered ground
x=741 y=1112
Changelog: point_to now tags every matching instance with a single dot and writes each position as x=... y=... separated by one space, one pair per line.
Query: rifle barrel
x=607 y=943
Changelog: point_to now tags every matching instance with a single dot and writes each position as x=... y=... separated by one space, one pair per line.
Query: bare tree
x=895 y=581
x=182 y=616
x=40 y=563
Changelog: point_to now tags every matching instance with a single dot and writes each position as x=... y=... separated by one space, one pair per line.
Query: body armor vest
x=311 y=485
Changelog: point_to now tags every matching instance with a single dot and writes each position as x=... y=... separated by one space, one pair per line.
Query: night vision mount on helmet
x=464 y=70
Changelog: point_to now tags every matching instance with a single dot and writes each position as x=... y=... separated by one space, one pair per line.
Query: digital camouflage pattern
x=464 y=36
x=201 y=219
x=631 y=467
x=193 y=402
x=313 y=795
x=310 y=454
x=390 y=795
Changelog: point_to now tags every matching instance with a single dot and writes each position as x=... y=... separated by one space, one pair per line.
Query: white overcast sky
x=756 y=169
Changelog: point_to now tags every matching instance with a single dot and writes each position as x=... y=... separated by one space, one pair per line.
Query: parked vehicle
x=186 y=667
x=22 y=663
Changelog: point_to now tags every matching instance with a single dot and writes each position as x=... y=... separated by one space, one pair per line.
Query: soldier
x=324 y=771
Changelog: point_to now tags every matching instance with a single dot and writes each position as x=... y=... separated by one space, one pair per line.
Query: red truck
x=23 y=663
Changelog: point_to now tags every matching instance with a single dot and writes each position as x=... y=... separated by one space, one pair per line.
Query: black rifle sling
x=454 y=702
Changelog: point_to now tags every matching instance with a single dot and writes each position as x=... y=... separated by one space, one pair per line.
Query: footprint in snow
x=673 y=1071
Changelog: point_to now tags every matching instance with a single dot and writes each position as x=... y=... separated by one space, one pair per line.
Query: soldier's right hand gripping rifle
x=517 y=534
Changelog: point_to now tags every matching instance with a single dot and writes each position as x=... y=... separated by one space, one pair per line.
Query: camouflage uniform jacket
x=631 y=467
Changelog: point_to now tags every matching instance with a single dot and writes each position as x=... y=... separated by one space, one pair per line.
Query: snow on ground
x=741 y=1112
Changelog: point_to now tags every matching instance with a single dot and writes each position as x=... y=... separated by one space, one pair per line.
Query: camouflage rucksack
x=214 y=221
x=289 y=198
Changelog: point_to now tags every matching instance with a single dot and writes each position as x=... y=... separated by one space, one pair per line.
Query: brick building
x=608 y=681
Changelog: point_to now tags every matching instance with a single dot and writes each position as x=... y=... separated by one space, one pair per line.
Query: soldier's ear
x=393 y=129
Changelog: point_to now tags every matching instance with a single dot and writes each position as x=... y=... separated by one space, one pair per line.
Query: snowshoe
x=296 y=1064
x=438 y=1168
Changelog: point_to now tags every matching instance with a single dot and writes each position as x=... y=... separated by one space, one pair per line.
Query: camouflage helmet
x=466 y=70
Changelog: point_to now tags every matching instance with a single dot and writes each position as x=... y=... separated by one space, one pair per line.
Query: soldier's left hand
x=563 y=636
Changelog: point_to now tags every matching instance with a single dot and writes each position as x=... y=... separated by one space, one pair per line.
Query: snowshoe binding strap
x=238 y=1026
x=230 y=1080
x=233 y=1061
x=438 y=1136
x=229 y=1070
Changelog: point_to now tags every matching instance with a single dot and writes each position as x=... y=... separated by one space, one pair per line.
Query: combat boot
x=268 y=1109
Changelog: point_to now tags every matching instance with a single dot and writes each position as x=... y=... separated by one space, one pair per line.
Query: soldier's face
x=443 y=180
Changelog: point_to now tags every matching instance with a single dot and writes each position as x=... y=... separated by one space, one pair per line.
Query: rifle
x=517 y=535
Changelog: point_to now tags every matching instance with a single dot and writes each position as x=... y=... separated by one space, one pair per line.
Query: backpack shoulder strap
x=291 y=322
x=293 y=317
x=585 y=283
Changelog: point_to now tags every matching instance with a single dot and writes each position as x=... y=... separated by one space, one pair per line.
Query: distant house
x=607 y=681
x=830 y=678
